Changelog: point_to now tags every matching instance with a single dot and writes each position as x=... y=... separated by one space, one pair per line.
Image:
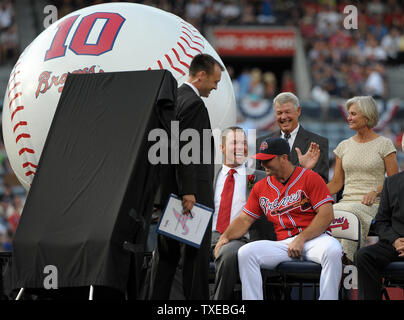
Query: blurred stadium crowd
x=342 y=63
x=8 y=32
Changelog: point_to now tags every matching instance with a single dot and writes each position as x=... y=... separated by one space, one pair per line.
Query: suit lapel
x=400 y=192
x=216 y=176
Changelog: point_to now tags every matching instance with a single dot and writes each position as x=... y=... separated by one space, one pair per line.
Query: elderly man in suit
x=287 y=111
x=194 y=183
x=389 y=226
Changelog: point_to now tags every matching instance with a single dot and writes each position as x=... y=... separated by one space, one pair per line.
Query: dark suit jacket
x=196 y=179
x=302 y=141
x=389 y=220
x=193 y=178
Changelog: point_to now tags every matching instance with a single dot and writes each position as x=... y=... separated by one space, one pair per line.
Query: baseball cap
x=272 y=147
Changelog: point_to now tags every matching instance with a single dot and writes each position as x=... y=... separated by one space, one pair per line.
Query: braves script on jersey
x=292 y=207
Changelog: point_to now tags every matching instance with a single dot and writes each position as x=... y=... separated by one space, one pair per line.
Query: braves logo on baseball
x=45 y=82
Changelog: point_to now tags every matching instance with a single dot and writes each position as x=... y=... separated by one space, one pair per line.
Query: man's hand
x=295 y=247
x=310 y=158
x=188 y=201
x=399 y=245
x=222 y=241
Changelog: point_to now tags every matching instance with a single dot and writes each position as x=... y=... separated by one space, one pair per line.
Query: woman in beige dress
x=361 y=164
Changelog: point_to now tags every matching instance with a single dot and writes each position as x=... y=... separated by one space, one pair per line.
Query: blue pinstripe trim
x=290 y=218
x=293 y=183
x=281 y=222
x=294 y=223
x=323 y=201
x=253 y=215
x=276 y=189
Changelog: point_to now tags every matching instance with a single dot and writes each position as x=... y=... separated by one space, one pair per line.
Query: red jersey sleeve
x=318 y=190
x=252 y=207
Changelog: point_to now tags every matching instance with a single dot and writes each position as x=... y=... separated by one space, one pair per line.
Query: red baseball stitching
x=18 y=94
x=12 y=88
x=172 y=66
x=190 y=45
x=9 y=91
x=26 y=164
x=184 y=45
x=19 y=108
x=21 y=123
x=183 y=49
x=179 y=60
x=22 y=135
x=197 y=43
x=28 y=150
x=192 y=33
x=14 y=75
x=28 y=173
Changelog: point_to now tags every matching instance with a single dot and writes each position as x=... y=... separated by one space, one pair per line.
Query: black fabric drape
x=94 y=187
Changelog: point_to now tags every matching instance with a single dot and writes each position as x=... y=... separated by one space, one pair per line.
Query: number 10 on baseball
x=109 y=24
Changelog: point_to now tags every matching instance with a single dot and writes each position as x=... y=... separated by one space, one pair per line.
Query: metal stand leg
x=19 y=294
x=91 y=293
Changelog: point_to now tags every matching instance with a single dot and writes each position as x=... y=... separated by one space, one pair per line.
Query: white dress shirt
x=193 y=88
x=292 y=138
x=239 y=195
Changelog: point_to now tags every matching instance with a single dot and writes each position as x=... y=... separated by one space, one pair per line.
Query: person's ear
x=202 y=75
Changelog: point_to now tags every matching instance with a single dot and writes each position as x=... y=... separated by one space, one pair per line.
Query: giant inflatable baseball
x=102 y=38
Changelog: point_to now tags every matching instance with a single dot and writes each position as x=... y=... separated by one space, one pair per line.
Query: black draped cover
x=94 y=186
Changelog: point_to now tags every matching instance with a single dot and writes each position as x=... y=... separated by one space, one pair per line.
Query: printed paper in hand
x=189 y=229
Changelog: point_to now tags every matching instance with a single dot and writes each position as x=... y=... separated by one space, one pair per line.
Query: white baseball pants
x=324 y=249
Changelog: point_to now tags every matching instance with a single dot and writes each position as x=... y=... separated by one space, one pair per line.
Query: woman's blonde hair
x=367 y=107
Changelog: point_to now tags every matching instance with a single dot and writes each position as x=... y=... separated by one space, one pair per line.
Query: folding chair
x=345 y=225
x=393 y=276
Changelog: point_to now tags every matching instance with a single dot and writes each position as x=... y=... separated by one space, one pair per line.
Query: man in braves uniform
x=298 y=203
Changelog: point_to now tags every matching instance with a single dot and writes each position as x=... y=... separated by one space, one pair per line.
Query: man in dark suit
x=389 y=226
x=193 y=182
x=287 y=111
